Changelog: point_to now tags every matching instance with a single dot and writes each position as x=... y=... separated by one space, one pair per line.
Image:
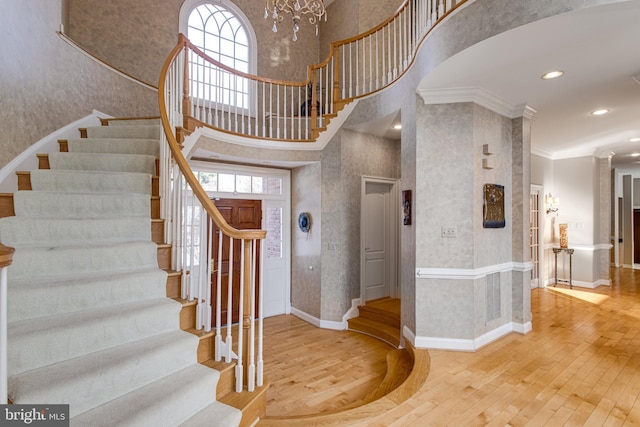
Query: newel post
x=314 y=99
x=336 y=75
x=186 y=99
x=246 y=310
x=6 y=258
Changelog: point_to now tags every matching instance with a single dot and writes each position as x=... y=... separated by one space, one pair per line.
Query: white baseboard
x=459 y=344
x=581 y=284
x=353 y=311
x=324 y=324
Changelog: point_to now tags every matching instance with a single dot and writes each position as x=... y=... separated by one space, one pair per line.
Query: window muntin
x=220 y=34
x=229 y=182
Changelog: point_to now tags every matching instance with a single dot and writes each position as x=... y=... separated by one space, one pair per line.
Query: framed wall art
x=493 y=209
x=406 y=207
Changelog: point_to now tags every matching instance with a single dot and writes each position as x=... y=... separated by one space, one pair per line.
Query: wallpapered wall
x=348 y=18
x=136 y=37
x=47 y=84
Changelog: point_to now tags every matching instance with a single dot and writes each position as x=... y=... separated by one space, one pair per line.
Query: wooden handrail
x=182 y=164
x=231 y=70
x=374 y=29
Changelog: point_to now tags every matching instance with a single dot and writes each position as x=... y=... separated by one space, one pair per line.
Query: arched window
x=223 y=32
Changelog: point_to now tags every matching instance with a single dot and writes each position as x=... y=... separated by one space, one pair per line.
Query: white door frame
x=282 y=200
x=394 y=215
x=539 y=190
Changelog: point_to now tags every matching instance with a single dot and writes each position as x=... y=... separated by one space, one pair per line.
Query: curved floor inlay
x=313 y=370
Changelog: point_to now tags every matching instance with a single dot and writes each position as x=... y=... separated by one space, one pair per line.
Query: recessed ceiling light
x=634 y=140
x=600 y=112
x=552 y=75
x=635 y=154
x=398 y=126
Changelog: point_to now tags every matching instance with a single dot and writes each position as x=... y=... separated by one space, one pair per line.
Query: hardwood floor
x=580 y=366
x=312 y=370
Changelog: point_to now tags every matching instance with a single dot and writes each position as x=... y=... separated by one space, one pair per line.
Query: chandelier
x=297 y=9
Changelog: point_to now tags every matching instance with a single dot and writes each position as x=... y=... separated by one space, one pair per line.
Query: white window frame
x=183 y=25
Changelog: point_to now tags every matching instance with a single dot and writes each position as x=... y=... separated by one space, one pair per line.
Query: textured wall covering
x=306 y=248
x=47 y=84
x=328 y=188
x=136 y=37
x=348 y=157
x=348 y=18
x=455 y=134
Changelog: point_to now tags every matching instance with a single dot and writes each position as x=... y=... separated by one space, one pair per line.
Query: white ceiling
x=599 y=51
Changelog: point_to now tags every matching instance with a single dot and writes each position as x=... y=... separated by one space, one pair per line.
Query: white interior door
x=377 y=240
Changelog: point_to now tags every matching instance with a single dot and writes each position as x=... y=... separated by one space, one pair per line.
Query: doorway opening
x=259 y=198
x=379 y=239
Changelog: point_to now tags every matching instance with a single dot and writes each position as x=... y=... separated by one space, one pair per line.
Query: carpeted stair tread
x=89 y=321
x=64 y=231
x=142 y=131
x=33 y=298
x=58 y=261
x=80 y=205
x=167 y=402
x=80 y=181
x=108 y=374
x=141 y=163
x=76 y=334
x=224 y=416
x=149 y=147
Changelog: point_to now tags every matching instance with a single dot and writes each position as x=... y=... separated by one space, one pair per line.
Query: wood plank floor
x=580 y=366
x=312 y=370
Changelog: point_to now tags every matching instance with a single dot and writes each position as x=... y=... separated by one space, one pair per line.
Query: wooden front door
x=243 y=215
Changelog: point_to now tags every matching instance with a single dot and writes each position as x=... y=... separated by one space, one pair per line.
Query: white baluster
x=218 y=354
x=251 y=373
x=239 y=365
x=229 y=353
x=207 y=282
x=260 y=379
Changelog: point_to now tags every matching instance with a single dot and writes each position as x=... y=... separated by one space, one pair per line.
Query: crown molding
x=478 y=96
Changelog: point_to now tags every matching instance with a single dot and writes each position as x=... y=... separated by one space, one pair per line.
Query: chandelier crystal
x=276 y=9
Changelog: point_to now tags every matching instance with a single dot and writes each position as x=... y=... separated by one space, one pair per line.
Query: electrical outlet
x=448 y=231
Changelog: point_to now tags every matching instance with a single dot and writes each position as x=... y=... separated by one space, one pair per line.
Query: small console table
x=570 y=252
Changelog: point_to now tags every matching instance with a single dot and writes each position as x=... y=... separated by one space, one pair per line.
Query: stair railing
x=6 y=257
x=189 y=217
x=196 y=90
x=365 y=64
x=234 y=102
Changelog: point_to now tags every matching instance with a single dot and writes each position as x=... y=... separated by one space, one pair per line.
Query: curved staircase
x=90 y=324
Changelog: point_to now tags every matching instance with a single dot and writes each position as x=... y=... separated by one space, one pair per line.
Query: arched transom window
x=223 y=33
x=219 y=33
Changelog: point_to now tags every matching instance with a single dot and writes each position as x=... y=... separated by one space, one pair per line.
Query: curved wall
x=47 y=84
x=137 y=36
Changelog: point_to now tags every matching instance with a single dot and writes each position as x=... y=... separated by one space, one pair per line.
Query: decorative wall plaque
x=493 y=209
x=406 y=207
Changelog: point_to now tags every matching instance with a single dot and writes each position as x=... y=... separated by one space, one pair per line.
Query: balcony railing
x=195 y=90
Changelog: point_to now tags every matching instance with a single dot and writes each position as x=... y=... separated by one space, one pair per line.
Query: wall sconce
x=552 y=204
